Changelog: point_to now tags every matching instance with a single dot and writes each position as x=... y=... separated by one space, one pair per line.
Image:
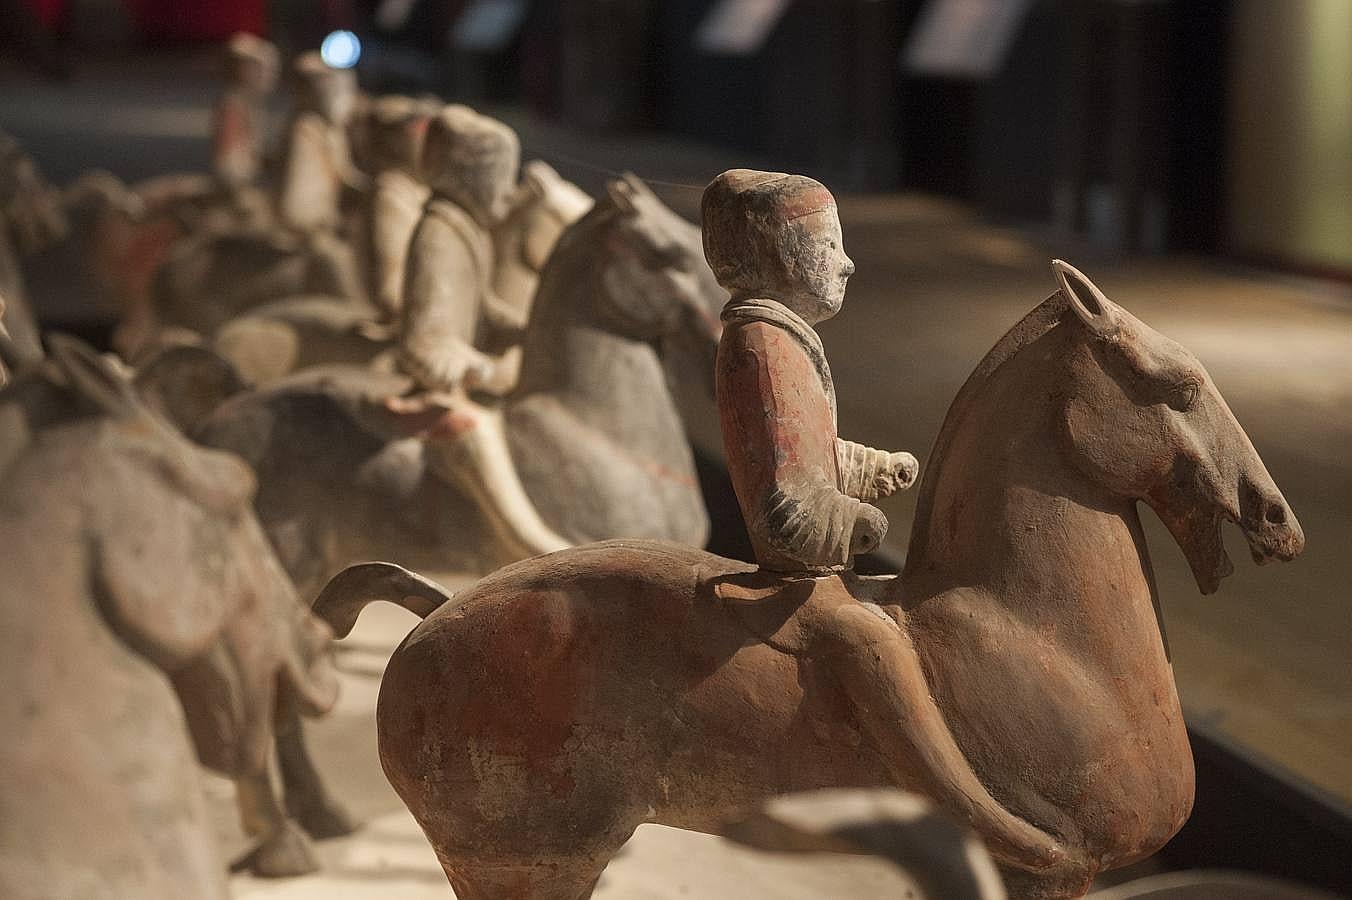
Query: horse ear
x=93 y=377
x=638 y=185
x=1095 y=310
x=622 y=195
x=534 y=179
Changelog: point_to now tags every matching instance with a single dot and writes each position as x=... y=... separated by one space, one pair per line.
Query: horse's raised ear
x=1095 y=310
x=638 y=185
x=622 y=194
x=92 y=377
x=535 y=179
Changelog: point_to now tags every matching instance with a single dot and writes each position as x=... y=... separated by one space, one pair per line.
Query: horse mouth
x=1203 y=541
x=1203 y=544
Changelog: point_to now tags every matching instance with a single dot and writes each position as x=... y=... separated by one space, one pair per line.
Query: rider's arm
x=869 y=474
x=307 y=196
x=441 y=308
x=396 y=206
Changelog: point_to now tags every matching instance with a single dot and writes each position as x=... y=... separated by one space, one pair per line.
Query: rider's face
x=819 y=268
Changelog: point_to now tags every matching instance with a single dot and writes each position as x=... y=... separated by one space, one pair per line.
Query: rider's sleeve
x=780 y=444
x=233 y=152
x=860 y=468
x=396 y=207
x=307 y=197
x=436 y=337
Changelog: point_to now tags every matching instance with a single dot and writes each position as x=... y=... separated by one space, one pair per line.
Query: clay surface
x=167 y=631
x=669 y=685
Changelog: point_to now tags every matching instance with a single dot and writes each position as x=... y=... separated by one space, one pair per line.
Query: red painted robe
x=798 y=484
x=236 y=140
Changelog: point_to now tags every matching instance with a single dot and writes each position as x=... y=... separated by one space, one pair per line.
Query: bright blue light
x=341 y=50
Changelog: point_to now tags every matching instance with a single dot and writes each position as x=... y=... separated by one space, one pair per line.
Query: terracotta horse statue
x=601 y=448
x=533 y=722
x=144 y=625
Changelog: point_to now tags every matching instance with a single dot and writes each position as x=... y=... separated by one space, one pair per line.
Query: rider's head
x=319 y=88
x=251 y=63
x=395 y=129
x=773 y=235
x=472 y=160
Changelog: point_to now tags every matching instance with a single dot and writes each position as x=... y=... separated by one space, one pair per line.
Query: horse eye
x=1183 y=396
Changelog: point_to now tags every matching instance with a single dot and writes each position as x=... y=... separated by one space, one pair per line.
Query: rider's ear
x=1095 y=310
x=622 y=195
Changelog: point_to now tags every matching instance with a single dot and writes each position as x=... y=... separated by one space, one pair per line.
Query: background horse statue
x=534 y=722
x=144 y=617
x=342 y=479
x=600 y=445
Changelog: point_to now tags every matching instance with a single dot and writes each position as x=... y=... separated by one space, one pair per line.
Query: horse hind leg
x=559 y=881
x=307 y=799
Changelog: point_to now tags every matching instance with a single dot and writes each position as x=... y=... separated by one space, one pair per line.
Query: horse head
x=651 y=281
x=1141 y=416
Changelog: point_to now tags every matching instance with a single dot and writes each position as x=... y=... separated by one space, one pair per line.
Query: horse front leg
x=876 y=663
x=307 y=799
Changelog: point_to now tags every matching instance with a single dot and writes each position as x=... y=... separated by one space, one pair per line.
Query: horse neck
x=1003 y=510
x=600 y=376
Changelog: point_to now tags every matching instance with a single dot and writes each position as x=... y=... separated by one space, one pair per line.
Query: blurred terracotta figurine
x=31 y=220
x=168 y=634
x=317 y=164
x=239 y=129
x=395 y=129
x=317 y=171
x=470 y=162
x=774 y=243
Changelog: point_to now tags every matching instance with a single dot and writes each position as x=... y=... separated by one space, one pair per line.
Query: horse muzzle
x=1269 y=525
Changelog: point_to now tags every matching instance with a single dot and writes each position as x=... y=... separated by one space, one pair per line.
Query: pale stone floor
x=1268 y=659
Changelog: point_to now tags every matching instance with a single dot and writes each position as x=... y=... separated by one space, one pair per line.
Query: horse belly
x=1096 y=752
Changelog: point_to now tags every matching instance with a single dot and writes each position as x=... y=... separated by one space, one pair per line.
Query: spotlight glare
x=341 y=50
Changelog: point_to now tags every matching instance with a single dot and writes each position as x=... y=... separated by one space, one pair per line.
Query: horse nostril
x=1276 y=514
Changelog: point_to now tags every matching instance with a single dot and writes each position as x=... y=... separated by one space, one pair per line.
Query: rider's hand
x=900 y=474
x=869 y=527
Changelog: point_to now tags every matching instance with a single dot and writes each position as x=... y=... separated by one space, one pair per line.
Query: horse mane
x=1041 y=319
x=577 y=240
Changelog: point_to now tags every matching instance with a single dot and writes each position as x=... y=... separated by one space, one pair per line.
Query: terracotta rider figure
x=239 y=127
x=395 y=129
x=774 y=242
x=317 y=171
x=470 y=163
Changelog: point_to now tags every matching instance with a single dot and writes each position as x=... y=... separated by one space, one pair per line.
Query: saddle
x=791 y=611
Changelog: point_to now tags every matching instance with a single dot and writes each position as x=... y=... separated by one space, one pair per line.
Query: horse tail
x=348 y=593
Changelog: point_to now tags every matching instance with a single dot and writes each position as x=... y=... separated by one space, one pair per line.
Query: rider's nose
x=848 y=269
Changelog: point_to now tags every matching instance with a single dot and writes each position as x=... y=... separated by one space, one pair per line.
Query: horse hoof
x=284 y=854
x=325 y=820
